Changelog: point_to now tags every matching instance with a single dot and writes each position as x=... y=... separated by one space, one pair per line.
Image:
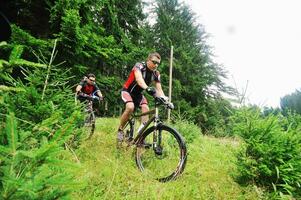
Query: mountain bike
x=89 y=122
x=160 y=150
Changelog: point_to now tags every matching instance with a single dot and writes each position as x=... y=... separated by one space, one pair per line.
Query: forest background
x=54 y=43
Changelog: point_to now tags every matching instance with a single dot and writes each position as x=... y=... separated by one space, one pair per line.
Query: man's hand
x=95 y=98
x=166 y=99
x=171 y=106
x=151 y=90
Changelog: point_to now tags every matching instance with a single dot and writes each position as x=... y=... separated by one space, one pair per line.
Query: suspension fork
x=157 y=137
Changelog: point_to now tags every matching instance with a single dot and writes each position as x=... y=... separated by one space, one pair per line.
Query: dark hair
x=91 y=75
x=154 y=54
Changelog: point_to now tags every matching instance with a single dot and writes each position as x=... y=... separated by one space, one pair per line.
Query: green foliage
x=212 y=117
x=177 y=26
x=100 y=37
x=11 y=131
x=271 y=154
x=37 y=118
x=110 y=87
x=194 y=72
x=291 y=102
x=22 y=37
x=32 y=173
x=188 y=130
x=17 y=54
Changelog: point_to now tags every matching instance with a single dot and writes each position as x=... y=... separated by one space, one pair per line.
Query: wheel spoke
x=165 y=158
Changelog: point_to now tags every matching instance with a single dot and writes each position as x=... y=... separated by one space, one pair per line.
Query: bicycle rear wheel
x=164 y=160
x=89 y=126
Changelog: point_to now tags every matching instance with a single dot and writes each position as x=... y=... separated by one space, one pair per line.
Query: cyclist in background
x=87 y=89
x=141 y=76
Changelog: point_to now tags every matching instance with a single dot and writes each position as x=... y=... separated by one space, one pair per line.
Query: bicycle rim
x=170 y=163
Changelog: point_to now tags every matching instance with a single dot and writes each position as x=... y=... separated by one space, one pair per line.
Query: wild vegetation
x=270 y=155
x=112 y=174
x=54 y=43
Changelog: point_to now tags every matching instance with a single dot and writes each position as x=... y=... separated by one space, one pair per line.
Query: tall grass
x=112 y=173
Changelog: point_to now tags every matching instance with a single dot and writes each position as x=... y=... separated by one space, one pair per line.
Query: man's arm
x=99 y=94
x=160 y=92
x=139 y=79
x=78 y=89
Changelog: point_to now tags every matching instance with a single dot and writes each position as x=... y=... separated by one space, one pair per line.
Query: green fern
x=68 y=128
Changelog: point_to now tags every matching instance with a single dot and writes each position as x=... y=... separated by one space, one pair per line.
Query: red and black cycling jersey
x=87 y=88
x=148 y=75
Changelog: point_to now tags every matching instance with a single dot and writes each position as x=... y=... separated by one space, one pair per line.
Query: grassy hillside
x=108 y=173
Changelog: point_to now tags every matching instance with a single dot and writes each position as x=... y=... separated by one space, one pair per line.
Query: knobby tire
x=171 y=163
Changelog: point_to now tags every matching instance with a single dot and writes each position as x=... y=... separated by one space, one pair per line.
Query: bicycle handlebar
x=163 y=101
x=91 y=98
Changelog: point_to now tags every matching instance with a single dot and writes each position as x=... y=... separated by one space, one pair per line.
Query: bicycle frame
x=89 y=106
x=89 y=118
x=154 y=118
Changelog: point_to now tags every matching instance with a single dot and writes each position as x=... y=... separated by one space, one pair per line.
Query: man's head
x=153 y=61
x=91 y=79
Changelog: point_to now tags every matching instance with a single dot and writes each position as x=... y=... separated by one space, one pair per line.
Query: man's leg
x=144 y=108
x=129 y=109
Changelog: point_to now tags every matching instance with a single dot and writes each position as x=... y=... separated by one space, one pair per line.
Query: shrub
x=37 y=118
x=188 y=130
x=271 y=155
x=41 y=172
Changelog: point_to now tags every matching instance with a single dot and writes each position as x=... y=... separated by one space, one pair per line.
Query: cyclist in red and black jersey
x=141 y=76
x=87 y=89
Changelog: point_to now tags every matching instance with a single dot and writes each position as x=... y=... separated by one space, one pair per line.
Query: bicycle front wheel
x=162 y=155
x=89 y=126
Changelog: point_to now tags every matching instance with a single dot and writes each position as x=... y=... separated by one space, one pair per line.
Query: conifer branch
x=49 y=68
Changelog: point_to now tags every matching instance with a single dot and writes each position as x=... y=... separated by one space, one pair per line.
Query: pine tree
x=194 y=71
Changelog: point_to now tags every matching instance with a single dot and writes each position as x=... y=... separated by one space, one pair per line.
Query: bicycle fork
x=157 y=135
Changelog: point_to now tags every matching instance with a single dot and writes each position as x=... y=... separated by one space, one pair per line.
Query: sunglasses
x=93 y=80
x=155 y=62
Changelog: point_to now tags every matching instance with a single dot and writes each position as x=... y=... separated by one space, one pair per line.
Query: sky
x=258 y=42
